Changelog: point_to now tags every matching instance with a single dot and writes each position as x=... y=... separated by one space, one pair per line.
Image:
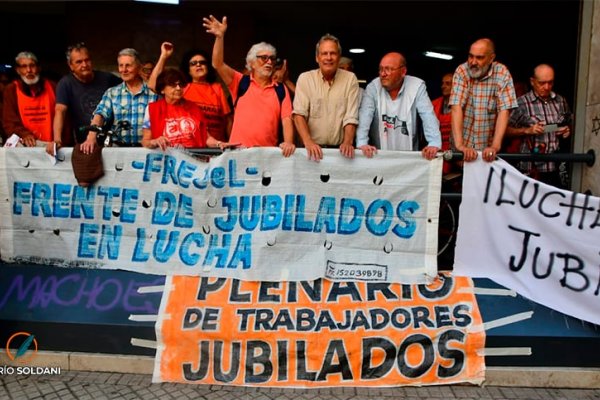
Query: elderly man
x=263 y=107
x=542 y=118
x=326 y=103
x=389 y=111
x=29 y=103
x=481 y=99
x=124 y=102
x=78 y=93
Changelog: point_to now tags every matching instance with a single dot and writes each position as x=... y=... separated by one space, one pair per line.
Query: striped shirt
x=119 y=104
x=532 y=110
x=481 y=100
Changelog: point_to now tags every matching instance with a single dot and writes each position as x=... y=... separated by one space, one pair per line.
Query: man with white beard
x=29 y=103
x=482 y=96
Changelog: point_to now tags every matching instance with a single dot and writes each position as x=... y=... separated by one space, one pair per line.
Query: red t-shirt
x=182 y=123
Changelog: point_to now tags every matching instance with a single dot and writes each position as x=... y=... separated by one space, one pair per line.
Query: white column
x=587 y=135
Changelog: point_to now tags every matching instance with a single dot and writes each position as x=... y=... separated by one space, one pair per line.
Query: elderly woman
x=202 y=89
x=172 y=120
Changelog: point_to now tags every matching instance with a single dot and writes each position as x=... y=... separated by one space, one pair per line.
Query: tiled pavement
x=105 y=385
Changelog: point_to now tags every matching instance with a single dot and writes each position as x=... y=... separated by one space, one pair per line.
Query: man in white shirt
x=388 y=112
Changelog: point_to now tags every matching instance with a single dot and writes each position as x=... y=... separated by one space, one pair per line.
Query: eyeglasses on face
x=389 y=70
x=265 y=57
x=177 y=84
x=193 y=63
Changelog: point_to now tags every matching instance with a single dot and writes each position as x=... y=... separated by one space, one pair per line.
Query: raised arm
x=284 y=78
x=166 y=51
x=218 y=28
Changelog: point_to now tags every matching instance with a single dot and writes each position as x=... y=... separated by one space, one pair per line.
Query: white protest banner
x=538 y=240
x=250 y=214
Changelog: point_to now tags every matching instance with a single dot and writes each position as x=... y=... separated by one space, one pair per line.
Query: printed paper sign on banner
x=169 y=213
x=319 y=333
x=538 y=240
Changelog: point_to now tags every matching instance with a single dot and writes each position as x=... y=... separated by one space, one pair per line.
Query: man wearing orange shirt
x=258 y=113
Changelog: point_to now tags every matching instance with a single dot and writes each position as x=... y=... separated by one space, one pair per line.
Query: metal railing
x=588 y=158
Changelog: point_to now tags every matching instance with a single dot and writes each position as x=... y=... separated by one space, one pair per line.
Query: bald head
x=485 y=44
x=543 y=69
x=392 y=69
x=542 y=80
x=395 y=58
x=481 y=56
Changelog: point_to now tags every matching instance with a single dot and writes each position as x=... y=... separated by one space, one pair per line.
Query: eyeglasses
x=264 y=58
x=193 y=63
x=147 y=70
x=389 y=70
x=177 y=84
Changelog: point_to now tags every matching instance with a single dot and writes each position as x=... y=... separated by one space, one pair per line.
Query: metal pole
x=589 y=158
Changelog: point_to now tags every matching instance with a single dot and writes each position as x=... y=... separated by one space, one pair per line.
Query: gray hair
x=26 y=54
x=262 y=46
x=327 y=37
x=346 y=61
x=76 y=47
x=131 y=53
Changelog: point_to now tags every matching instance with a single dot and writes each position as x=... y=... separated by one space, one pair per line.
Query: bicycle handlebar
x=93 y=128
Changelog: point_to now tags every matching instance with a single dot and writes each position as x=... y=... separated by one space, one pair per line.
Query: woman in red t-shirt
x=208 y=94
x=173 y=120
x=203 y=89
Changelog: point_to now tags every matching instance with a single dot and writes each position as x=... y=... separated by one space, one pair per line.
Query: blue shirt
x=120 y=104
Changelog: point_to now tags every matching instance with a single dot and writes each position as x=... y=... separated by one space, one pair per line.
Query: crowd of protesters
x=207 y=103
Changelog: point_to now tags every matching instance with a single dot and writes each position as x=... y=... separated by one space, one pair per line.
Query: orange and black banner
x=319 y=333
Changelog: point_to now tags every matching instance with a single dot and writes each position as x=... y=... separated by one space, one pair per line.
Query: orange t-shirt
x=211 y=99
x=257 y=114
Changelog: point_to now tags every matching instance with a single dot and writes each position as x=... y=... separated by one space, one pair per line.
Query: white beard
x=31 y=81
x=479 y=73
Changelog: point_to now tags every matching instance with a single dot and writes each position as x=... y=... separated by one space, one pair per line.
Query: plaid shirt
x=119 y=104
x=481 y=100
x=532 y=110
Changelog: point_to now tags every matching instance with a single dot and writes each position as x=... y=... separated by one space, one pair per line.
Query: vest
x=37 y=112
x=402 y=110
